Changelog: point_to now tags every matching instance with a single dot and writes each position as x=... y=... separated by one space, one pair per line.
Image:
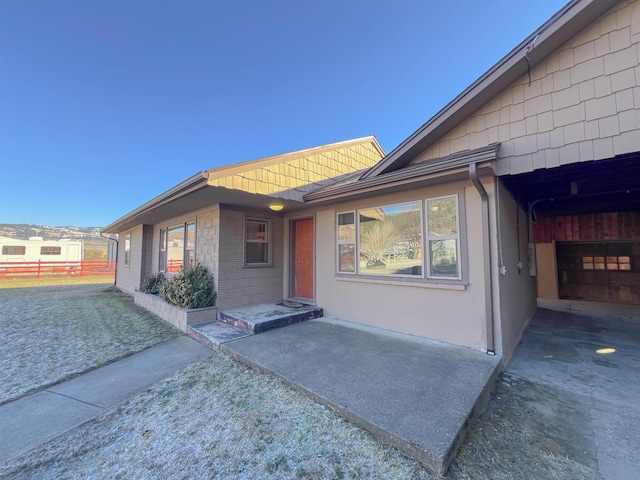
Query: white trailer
x=37 y=249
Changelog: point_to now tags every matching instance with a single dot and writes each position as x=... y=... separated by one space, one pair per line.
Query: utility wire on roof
x=529 y=51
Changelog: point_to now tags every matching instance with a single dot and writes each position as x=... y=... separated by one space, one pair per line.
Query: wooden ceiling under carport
x=611 y=185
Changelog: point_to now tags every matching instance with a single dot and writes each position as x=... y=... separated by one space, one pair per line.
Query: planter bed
x=176 y=316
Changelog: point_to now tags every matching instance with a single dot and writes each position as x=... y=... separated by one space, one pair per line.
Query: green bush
x=192 y=287
x=152 y=283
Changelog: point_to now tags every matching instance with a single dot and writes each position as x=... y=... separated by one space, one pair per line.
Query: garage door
x=599 y=271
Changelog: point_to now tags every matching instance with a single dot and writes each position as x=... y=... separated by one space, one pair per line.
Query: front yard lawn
x=50 y=334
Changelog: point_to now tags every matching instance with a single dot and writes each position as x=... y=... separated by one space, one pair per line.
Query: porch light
x=276 y=207
x=604 y=351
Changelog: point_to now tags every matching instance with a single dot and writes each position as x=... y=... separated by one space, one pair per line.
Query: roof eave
x=191 y=184
x=440 y=167
x=560 y=28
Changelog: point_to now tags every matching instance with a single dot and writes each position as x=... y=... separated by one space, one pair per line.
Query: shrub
x=153 y=283
x=192 y=287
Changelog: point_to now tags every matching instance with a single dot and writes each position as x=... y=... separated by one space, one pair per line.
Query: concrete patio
x=415 y=394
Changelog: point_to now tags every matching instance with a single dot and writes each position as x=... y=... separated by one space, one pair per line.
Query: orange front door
x=303 y=258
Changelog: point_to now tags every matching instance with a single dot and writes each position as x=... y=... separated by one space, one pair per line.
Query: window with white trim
x=257 y=240
x=399 y=240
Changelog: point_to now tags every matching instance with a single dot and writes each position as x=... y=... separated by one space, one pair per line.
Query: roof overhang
x=136 y=217
x=446 y=169
x=559 y=29
x=192 y=195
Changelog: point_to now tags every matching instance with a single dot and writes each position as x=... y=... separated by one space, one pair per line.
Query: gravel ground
x=50 y=334
x=219 y=419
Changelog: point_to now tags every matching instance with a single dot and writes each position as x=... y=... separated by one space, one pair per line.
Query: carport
x=591 y=357
x=584 y=229
x=584 y=339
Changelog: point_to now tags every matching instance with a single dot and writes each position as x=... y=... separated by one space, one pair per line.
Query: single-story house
x=524 y=186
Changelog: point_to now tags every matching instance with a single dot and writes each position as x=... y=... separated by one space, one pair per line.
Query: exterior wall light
x=604 y=351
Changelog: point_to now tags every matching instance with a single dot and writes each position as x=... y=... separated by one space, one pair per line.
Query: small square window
x=257 y=241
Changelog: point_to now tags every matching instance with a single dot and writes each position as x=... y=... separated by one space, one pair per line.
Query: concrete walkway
x=34 y=419
x=415 y=394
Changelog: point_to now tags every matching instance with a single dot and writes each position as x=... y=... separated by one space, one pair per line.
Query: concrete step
x=260 y=318
x=214 y=334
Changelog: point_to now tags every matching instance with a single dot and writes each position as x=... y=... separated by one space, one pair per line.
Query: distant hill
x=95 y=246
x=25 y=231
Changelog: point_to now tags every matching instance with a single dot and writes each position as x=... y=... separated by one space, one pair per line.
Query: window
x=607 y=263
x=190 y=244
x=347 y=242
x=162 y=259
x=127 y=249
x=395 y=240
x=442 y=237
x=50 y=250
x=391 y=240
x=177 y=247
x=14 y=249
x=256 y=241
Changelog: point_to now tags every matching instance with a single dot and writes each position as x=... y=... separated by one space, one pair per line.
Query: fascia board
x=430 y=169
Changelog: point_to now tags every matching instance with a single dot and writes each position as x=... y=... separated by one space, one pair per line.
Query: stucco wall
x=453 y=314
x=128 y=277
x=239 y=285
x=517 y=289
x=583 y=103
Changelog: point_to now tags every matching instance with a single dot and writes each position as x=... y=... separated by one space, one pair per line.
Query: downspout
x=115 y=274
x=486 y=238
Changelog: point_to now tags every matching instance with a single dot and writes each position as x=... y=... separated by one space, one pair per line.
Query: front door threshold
x=302 y=300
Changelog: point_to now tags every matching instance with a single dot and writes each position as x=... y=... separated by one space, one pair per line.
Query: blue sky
x=105 y=104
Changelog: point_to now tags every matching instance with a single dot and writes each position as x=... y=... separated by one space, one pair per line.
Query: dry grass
x=51 y=334
x=220 y=419
x=528 y=431
x=216 y=419
x=54 y=281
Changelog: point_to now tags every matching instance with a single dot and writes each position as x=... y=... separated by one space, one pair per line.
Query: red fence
x=64 y=269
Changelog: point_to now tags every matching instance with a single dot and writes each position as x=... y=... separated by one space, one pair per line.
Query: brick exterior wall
x=180 y=318
x=583 y=103
x=239 y=285
x=220 y=248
